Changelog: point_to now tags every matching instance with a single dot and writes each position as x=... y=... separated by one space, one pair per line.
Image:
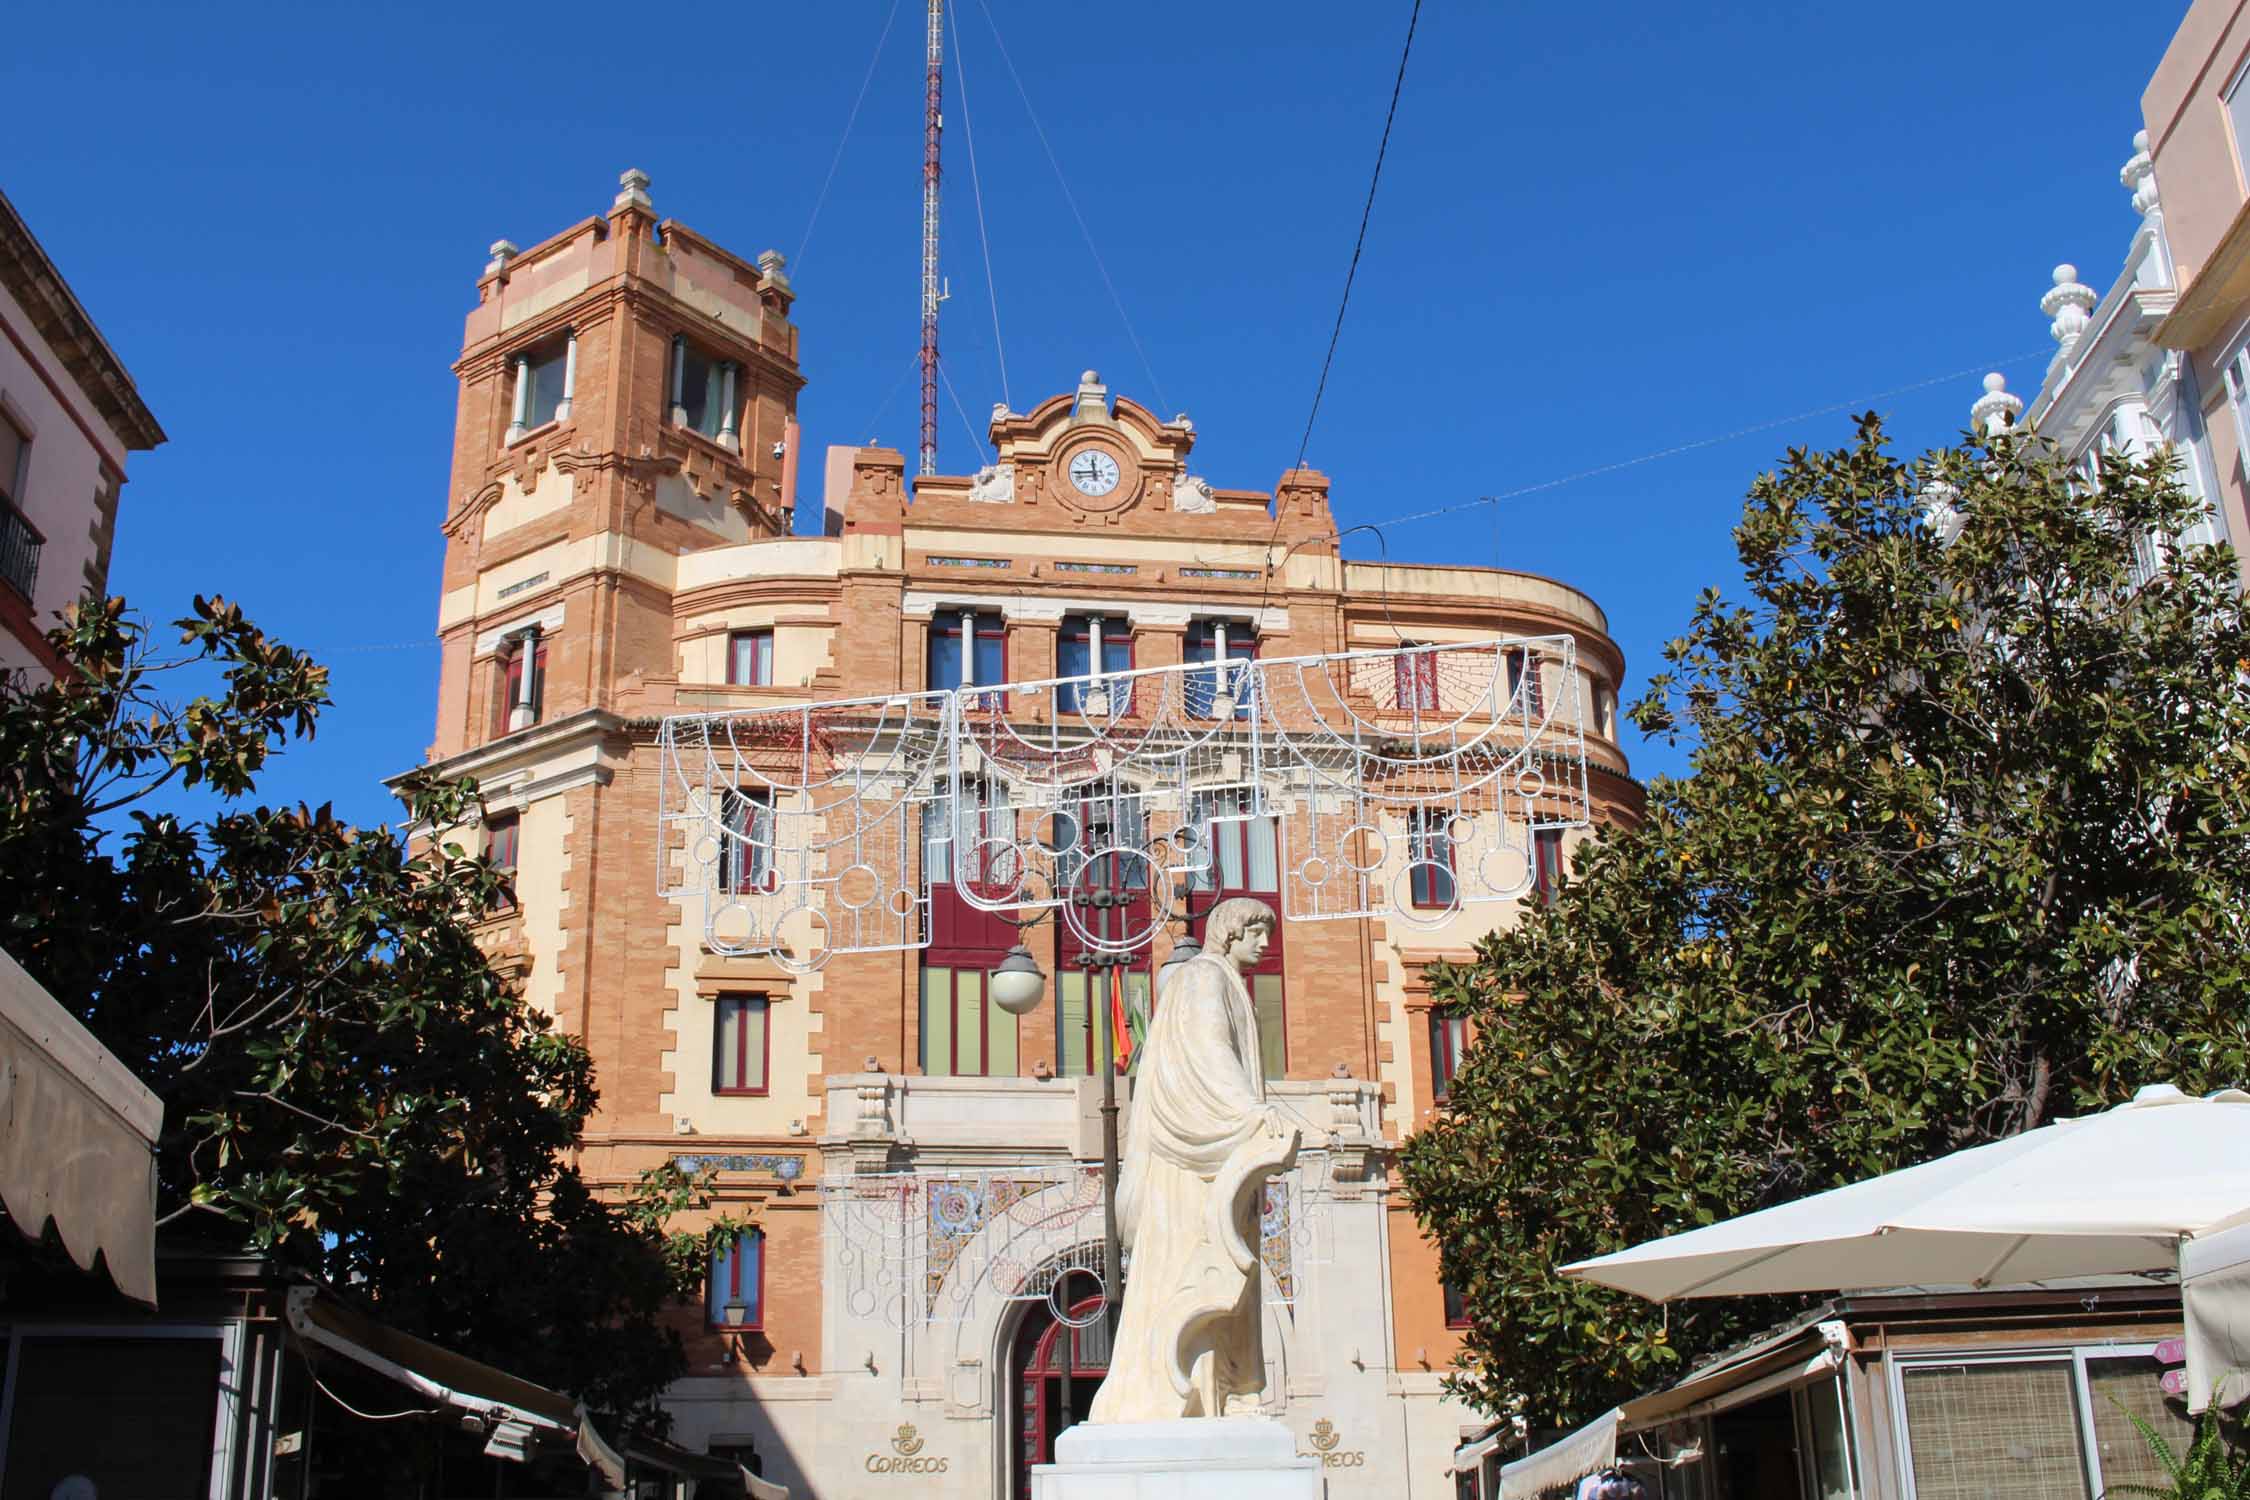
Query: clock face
x=1093 y=472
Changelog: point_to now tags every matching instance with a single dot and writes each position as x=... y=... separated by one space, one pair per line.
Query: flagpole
x=1105 y=1048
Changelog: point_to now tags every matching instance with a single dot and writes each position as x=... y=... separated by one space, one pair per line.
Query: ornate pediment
x=1093 y=454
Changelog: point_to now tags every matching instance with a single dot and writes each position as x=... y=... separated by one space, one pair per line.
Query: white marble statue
x=1200 y=1143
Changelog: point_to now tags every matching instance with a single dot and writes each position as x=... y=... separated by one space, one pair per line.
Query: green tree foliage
x=347 y=1083
x=1963 y=848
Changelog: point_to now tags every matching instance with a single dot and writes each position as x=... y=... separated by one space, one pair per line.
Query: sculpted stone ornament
x=1200 y=1144
x=1191 y=496
x=995 y=484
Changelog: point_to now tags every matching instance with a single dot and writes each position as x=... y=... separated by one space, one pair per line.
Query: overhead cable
x=976 y=189
x=1366 y=212
x=1086 y=234
x=798 y=265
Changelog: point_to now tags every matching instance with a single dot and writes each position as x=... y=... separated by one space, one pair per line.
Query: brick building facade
x=624 y=544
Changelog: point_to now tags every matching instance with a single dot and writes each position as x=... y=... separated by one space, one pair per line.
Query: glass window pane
x=1273 y=1040
x=543 y=396
x=1265 y=865
x=937 y=1022
x=11 y=457
x=991 y=655
x=2124 y=1388
x=753 y=1051
x=999 y=1039
x=1824 y=1415
x=944 y=661
x=1071 y=1020
x=970 y=1055
x=1994 y=1431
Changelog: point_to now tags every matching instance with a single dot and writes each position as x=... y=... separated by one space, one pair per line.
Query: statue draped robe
x=1200 y=1143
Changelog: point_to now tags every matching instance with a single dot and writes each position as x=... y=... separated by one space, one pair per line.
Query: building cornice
x=64 y=324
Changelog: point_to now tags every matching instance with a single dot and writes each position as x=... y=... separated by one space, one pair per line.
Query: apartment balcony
x=20 y=542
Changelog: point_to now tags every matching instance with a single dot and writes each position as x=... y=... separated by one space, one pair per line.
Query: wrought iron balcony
x=20 y=542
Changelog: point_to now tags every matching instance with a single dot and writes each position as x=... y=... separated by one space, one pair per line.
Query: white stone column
x=1094 y=697
x=570 y=377
x=727 y=435
x=523 y=397
x=679 y=378
x=524 y=711
x=968 y=648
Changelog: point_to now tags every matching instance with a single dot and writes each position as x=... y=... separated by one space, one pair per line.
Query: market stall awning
x=517 y=1411
x=2113 y=1193
x=1589 y=1450
x=2215 y=1305
x=1799 y=1353
x=77 y=1138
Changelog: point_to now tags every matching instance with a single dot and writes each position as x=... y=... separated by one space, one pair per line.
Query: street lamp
x=1017 y=983
x=1183 y=950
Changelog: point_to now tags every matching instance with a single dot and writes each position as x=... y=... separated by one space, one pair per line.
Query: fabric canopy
x=1589 y=1450
x=2106 y=1194
x=2215 y=1300
x=77 y=1138
x=516 y=1408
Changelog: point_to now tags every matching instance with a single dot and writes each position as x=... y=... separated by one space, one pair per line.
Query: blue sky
x=1604 y=231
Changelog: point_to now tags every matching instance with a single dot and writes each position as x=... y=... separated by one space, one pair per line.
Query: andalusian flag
x=1120 y=1024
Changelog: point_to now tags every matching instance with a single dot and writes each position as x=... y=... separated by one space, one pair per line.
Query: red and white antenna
x=932 y=293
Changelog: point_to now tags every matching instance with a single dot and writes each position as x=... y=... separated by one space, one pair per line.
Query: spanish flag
x=1120 y=1025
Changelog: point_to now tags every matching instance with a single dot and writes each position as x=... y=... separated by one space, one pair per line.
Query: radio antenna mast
x=932 y=293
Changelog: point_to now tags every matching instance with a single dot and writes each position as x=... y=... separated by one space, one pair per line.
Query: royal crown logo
x=1324 y=1435
x=906 y=1442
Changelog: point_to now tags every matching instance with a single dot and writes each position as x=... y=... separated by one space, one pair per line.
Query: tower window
x=1429 y=855
x=750 y=658
x=746 y=852
x=734 y=1292
x=1546 y=865
x=19 y=542
x=703 y=392
x=522 y=685
x=1219 y=642
x=501 y=840
x=738 y=1045
x=1449 y=1039
x=987 y=651
x=1523 y=684
x=1076 y=653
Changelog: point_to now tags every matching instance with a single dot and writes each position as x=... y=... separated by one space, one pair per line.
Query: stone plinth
x=1237 y=1458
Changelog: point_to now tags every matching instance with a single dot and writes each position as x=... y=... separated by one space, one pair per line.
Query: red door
x=1047 y=1410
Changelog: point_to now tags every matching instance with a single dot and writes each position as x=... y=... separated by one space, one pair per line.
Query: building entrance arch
x=1055 y=1364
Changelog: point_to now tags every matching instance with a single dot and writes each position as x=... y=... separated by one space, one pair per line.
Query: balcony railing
x=20 y=542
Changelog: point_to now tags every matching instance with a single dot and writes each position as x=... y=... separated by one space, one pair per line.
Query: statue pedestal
x=1199 y=1458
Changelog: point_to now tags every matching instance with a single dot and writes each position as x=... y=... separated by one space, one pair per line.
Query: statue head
x=1239 y=930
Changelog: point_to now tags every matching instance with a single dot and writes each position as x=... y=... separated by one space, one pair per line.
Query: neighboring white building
x=2111 y=387
x=69 y=413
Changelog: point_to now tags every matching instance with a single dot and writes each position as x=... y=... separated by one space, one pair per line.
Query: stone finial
x=502 y=252
x=632 y=184
x=1092 y=400
x=770 y=266
x=2139 y=176
x=2069 y=303
x=1996 y=410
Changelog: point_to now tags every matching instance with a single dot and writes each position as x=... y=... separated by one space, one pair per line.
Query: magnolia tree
x=347 y=1083
x=1964 y=847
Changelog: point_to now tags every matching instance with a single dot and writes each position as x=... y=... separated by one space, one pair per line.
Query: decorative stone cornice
x=61 y=321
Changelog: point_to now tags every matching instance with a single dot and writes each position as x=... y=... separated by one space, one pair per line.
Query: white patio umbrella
x=2112 y=1193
